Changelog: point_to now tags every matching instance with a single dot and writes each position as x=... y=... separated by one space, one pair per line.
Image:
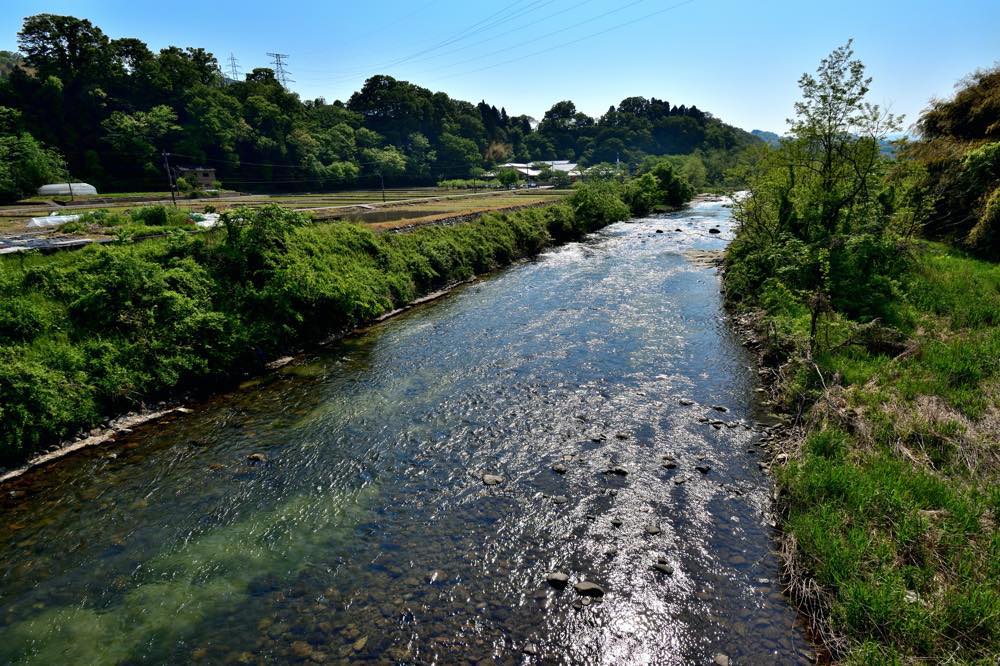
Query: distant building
x=200 y=177
x=528 y=170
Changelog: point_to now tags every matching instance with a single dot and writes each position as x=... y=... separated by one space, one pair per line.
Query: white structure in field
x=529 y=170
x=66 y=189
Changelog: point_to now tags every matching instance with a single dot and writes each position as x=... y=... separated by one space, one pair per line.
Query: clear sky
x=739 y=60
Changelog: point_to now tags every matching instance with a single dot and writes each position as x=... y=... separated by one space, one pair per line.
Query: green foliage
x=112 y=105
x=598 y=203
x=25 y=165
x=88 y=333
x=508 y=177
x=466 y=184
x=959 y=152
x=891 y=349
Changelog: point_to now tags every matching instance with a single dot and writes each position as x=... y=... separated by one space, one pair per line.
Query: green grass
x=98 y=331
x=894 y=498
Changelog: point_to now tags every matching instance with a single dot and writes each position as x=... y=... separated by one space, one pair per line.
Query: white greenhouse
x=64 y=189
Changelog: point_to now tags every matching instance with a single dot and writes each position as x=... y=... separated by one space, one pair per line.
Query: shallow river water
x=368 y=533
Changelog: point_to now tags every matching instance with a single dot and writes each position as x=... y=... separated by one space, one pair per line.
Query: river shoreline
x=339 y=506
x=121 y=423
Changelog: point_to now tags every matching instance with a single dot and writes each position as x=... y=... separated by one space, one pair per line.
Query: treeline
x=883 y=352
x=110 y=107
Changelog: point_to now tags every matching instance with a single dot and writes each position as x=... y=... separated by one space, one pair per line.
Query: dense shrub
x=87 y=333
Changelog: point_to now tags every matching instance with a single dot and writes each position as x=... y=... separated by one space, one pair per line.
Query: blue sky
x=738 y=60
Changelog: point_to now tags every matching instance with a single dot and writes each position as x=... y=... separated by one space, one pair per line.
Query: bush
x=87 y=333
x=598 y=203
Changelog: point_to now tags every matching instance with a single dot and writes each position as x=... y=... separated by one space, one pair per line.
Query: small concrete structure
x=201 y=177
x=66 y=189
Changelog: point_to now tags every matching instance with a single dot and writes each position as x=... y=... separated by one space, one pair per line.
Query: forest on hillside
x=77 y=103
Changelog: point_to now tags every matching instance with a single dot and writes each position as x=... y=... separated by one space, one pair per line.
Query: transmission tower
x=280 y=72
x=234 y=68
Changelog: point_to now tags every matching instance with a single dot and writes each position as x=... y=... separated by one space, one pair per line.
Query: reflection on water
x=366 y=531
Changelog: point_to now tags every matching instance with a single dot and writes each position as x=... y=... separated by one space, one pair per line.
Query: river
x=366 y=530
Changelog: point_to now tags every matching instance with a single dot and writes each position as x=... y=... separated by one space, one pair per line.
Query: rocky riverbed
x=561 y=463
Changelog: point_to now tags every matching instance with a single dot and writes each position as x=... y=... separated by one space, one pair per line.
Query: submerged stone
x=492 y=479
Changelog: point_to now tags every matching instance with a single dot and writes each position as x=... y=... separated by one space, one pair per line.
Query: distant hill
x=768 y=137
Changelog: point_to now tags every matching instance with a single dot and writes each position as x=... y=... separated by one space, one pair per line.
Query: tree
x=63 y=46
x=814 y=215
x=384 y=162
x=140 y=135
x=25 y=164
x=508 y=177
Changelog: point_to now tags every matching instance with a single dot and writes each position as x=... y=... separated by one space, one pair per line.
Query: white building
x=527 y=169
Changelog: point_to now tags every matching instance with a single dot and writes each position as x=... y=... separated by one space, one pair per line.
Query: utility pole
x=170 y=176
x=234 y=67
x=280 y=73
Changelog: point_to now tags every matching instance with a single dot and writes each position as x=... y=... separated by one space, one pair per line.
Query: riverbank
x=109 y=329
x=889 y=477
x=335 y=508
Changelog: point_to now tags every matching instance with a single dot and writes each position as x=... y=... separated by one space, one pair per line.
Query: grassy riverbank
x=890 y=482
x=883 y=351
x=99 y=331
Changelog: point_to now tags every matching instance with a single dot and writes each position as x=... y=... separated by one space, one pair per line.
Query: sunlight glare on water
x=368 y=532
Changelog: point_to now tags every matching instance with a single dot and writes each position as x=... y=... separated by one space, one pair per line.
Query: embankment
x=98 y=332
x=889 y=478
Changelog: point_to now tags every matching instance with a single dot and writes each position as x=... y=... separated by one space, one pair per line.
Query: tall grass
x=891 y=497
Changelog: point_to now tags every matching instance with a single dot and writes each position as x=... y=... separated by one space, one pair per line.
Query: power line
x=574 y=41
x=504 y=15
x=280 y=73
x=506 y=49
x=234 y=65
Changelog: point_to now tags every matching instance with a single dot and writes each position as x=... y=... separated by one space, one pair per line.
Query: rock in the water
x=530 y=649
x=587 y=589
x=301 y=649
x=704 y=469
x=720 y=660
x=659 y=231
x=359 y=644
x=557 y=579
x=492 y=479
x=616 y=522
x=713 y=230
x=437 y=576
x=665 y=568
x=617 y=471
x=257 y=458
x=669 y=465
x=686 y=402
x=559 y=468
x=720 y=408
x=652 y=528
x=559 y=499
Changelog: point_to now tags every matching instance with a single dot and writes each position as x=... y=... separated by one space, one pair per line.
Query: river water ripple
x=368 y=532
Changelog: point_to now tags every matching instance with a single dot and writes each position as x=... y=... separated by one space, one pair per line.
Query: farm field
x=402 y=208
